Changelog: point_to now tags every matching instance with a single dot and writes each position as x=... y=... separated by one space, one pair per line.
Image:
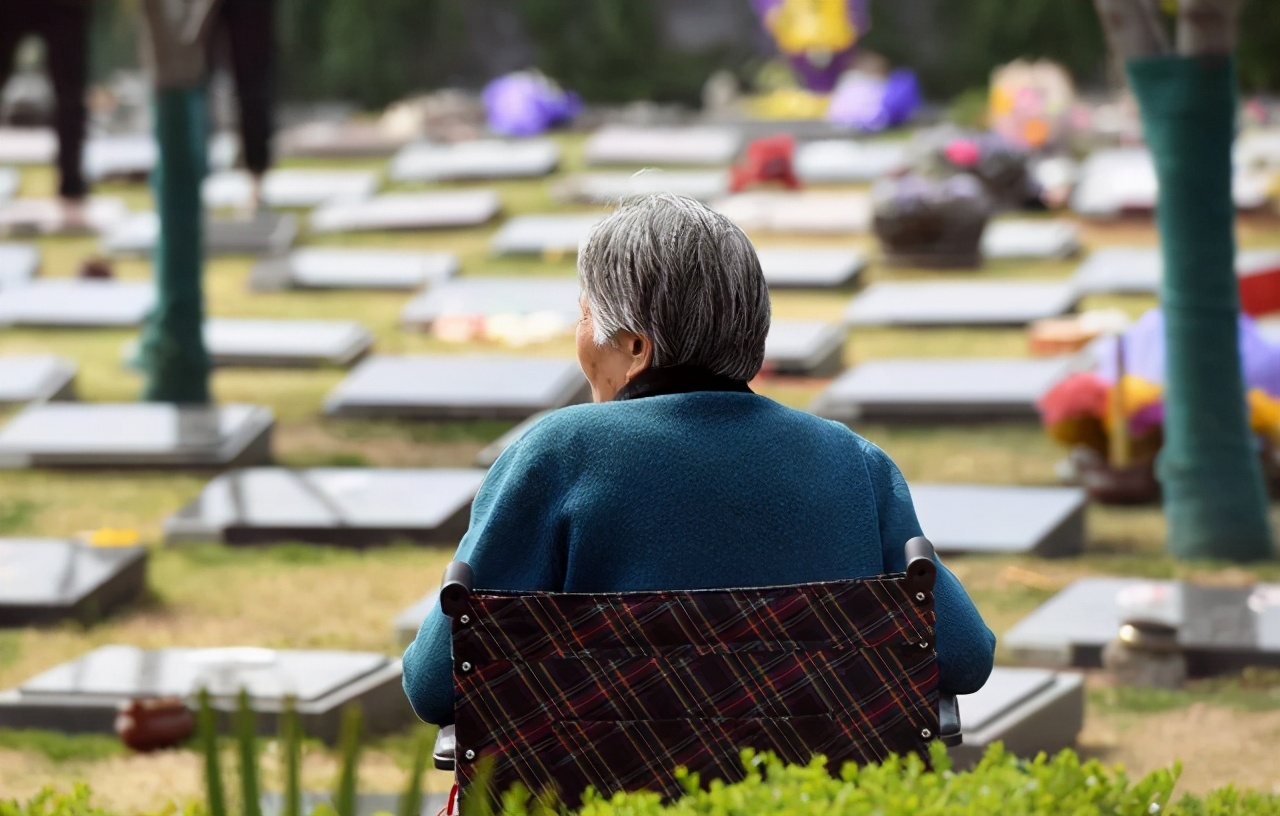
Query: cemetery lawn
x=297 y=596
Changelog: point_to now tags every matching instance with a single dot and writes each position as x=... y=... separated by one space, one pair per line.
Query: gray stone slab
x=490 y=453
x=35 y=378
x=44 y=216
x=806 y=213
x=849 y=161
x=1030 y=239
x=46 y=580
x=543 y=234
x=19 y=263
x=285 y=343
x=82 y=695
x=805 y=348
x=132 y=156
x=960 y=303
x=1028 y=710
x=622 y=144
x=1004 y=520
x=27 y=146
x=290 y=188
x=1220 y=628
x=354 y=507
x=141 y=435
x=487 y=297
x=265 y=233
x=479 y=159
x=406 y=625
x=340 y=140
x=1116 y=181
x=611 y=188
x=457 y=387
x=75 y=303
x=1139 y=270
x=351 y=268
x=802 y=267
x=409 y=211
x=10 y=180
x=942 y=391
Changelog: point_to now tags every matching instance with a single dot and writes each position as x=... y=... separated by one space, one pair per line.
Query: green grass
x=1255 y=690
x=58 y=747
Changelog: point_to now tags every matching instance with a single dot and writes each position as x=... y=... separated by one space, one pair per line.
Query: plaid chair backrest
x=615 y=691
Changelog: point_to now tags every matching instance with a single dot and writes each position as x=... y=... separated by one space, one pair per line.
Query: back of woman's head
x=671 y=269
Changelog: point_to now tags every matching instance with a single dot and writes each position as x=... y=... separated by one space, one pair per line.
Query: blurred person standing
x=63 y=25
x=244 y=34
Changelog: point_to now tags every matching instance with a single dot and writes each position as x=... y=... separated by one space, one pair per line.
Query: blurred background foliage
x=372 y=52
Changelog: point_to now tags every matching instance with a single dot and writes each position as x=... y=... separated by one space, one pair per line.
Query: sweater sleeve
x=966 y=647
x=514 y=542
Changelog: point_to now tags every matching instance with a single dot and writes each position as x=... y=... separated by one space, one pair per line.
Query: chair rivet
x=920 y=596
x=924 y=732
x=466 y=667
x=464 y=620
x=470 y=754
x=924 y=644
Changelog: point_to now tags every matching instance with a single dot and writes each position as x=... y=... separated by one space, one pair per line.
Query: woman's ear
x=640 y=349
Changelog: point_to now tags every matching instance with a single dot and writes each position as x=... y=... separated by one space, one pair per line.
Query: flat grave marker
x=456 y=387
x=1139 y=270
x=76 y=303
x=1029 y=710
x=1219 y=628
x=803 y=267
x=1030 y=239
x=1123 y=180
x=82 y=695
x=290 y=188
x=353 y=507
x=285 y=343
x=132 y=156
x=35 y=378
x=10 y=180
x=486 y=297
x=135 y=435
x=993 y=519
x=622 y=144
x=543 y=234
x=340 y=140
x=960 y=303
x=265 y=233
x=807 y=348
x=848 y=161
x=45 y=216
x=478 y=159
x=28 y=145
x=45 y=581
x=612 y=188
x=408 y=211
x=808 y=212
x=942 y=391
x=19 y=263
x=350 y=268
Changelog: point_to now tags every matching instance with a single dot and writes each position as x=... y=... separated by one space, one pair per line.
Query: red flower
x=1077 y=397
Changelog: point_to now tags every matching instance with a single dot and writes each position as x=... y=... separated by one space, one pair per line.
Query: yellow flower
x=1137 y=394
x=804 y=26
x=1264 y=413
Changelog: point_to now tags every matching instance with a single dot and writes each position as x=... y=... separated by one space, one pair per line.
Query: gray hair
x=671 y=269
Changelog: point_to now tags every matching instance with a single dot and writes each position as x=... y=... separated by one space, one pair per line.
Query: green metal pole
x=172 y=352
x=1214 y=498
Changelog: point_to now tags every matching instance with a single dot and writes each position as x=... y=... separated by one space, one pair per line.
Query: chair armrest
x=446 y=746
x=949 y=721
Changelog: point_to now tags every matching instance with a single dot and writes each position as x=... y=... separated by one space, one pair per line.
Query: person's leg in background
x=65 y=28
x=249 y=27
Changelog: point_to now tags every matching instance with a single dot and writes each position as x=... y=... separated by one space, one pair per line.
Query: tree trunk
x=1215 y=502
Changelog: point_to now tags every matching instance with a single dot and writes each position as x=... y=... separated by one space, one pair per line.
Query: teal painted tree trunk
x=172 y=352
x=1214 y=498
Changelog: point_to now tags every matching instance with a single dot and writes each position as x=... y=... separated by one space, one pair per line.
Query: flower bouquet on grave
x=931 y=223
x=1002 y=166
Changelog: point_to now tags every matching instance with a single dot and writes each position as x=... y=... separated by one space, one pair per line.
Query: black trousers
x=244 y=36
x=64 y=27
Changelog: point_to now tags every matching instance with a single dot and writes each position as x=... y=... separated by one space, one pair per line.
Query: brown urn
x=153 y=724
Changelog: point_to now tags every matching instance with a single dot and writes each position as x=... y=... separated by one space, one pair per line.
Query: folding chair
x=565 y=691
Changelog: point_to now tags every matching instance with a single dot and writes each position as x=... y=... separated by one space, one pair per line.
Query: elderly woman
x=679 y=476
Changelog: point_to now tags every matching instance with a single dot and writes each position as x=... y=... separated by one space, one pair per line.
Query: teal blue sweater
x=690 y=491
